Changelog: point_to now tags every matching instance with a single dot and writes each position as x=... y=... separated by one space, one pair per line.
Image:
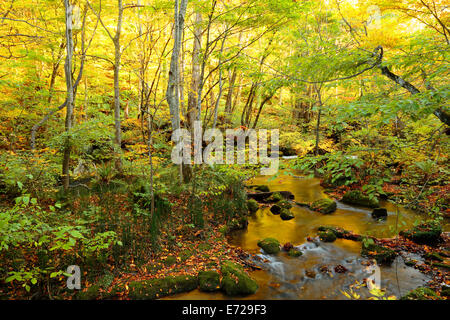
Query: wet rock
x=327 y=236
x=265 y=196
x=286 y=214
x=324 y=269
x=426 y=233
x=421 y=293
x=340 y=269
x=209 y=281
x=382 y=255
x=284 y=204
x=252 y=205
x=294 y=253
x=358 y=198
x=261 y=188
x=275 y=209
x=236 y=281
x=288 y=246
x=433 y=256
x=275 y=197
x=325 y=206
x=269 y=245
x=379 y=213
x=445 y=292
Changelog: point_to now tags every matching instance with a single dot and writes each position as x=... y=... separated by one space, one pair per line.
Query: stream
x=285 y=277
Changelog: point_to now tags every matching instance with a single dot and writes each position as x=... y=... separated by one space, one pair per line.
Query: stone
x=235 y=281
x=325 y=206
x=327 y=236
x=358 y=198
x=426 y=233
x=421 y=293
x=209 y=281
x=285 y=214
x=252 y=205
x=379 y=213
x=382 y=255
x=269 y=245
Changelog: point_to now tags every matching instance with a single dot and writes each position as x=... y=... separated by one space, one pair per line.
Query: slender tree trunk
x=117 y=60
x=195 y=83
x=70 y=93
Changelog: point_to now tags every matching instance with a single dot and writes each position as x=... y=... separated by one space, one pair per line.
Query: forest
x=224 y=149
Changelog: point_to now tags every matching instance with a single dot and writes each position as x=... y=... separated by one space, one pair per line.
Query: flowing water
x=285 y=277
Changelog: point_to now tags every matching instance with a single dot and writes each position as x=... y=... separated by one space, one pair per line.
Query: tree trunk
x=70 y=94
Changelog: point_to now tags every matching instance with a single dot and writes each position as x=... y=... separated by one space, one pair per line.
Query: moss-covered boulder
x=252 y=205
x=269 y=245
x=209 y=281
x=425 y=233
x=379 y=213
x=97 y=290
x=275 y=197
x=421 y=293
x=286 y=214
x=262 y=188
x=325 y=206
x=445 y=291
x=294 y=253
x=358 y=198
x=284 y=204
x=327 y=236
x=238 y=223
x=382 y=255
x=235 y=281
x=157 y=288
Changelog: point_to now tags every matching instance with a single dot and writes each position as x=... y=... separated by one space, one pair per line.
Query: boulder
x=382 y=255
x=275 y=209
x=325 y=206
x=262 y=188
x=358 y=198
x=265 y=196
x=209 y=281
x=157 y=288
x=379 y=213
x=294 y=253
x=235 y=281
x=327 y=236
x=426 y=233
x=285 y=214
x=269 y=245
x=252 y=205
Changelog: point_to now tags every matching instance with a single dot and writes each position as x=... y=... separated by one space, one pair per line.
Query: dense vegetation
x=91 y=92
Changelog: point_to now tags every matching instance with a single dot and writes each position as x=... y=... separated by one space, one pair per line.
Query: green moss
x=327 y=236
x=294 y=253
x=325 y=206
x=157 y=288
x=236 y=281
x=209 y=281
x=421 y=293
x=425 y=233
x=358 y=198
x=445 y=292
x=285 y=214
x=269 y=245
x=275 y=197
x=284 y=204
x=379 y=253
x=204 y=247
x=337 y=231
x=252 y=205
x=262 y=188
x=237 y=224
x=92 y=293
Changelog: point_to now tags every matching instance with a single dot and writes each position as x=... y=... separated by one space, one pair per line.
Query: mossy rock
x=325 y=206
x=294 y=253
x=235 y=281
x=285 y=214
x=157 y=288
x=269 y=245
x=237 y=224
x=379 y=213
x=433 y=256
x=262 y=188
x=284 y=204
x=381 y=254
x=209 y=281
x=337 y=231
x=275 y=197
x=421 y=293
x=425 y=233
x=327 y=236
x=252 y=205
x=358 y=198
